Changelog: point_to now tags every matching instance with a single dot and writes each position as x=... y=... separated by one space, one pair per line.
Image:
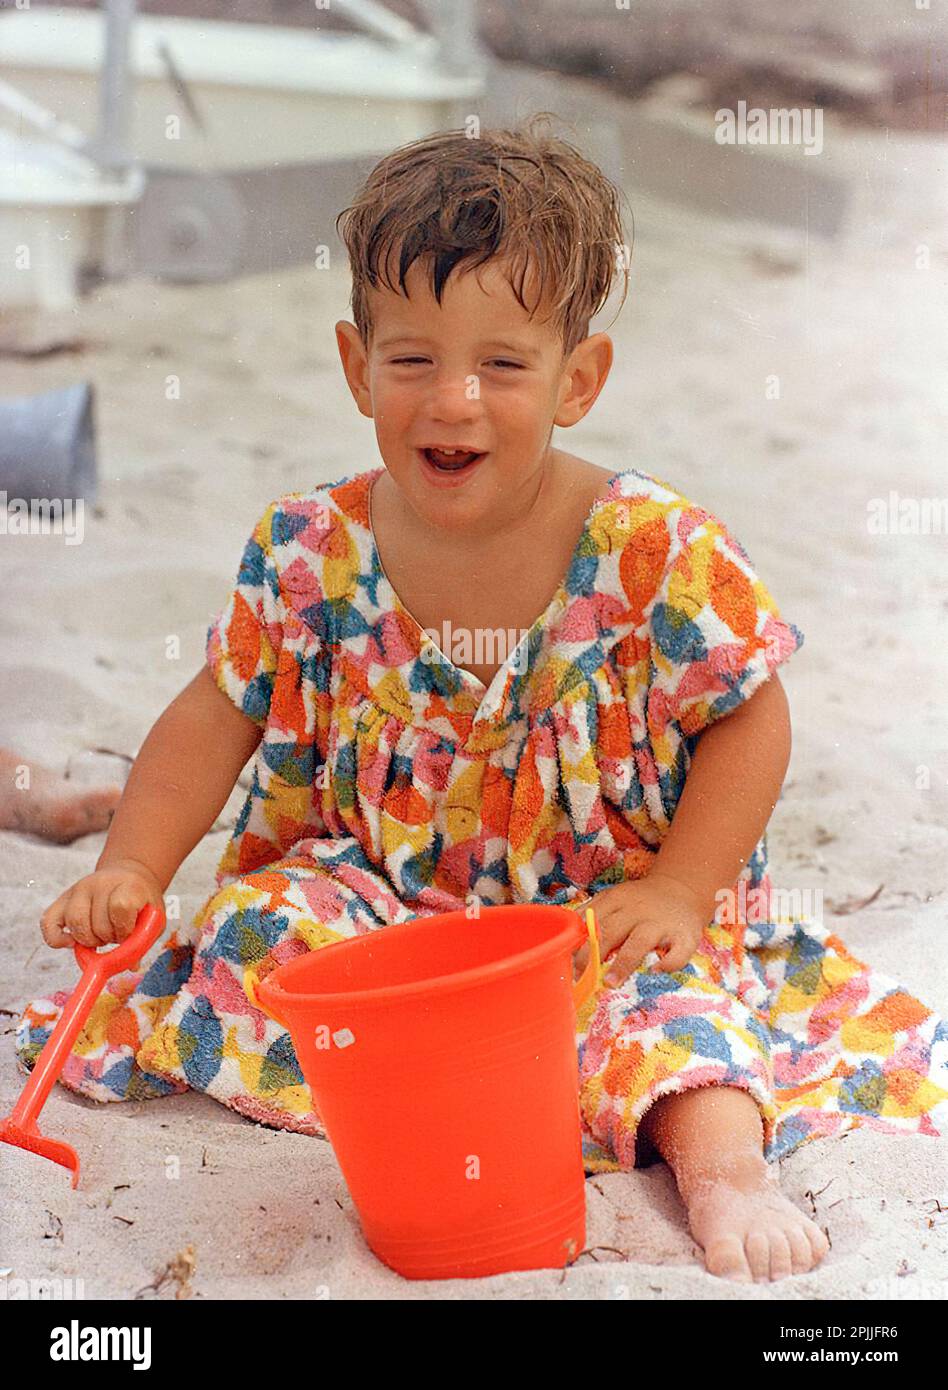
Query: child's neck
x=508 y=584
x=561 y=475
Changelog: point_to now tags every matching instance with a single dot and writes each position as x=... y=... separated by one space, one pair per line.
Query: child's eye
x=499 y=361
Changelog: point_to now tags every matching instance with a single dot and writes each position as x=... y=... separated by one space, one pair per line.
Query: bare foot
x=747 y=1228
x=49 y=805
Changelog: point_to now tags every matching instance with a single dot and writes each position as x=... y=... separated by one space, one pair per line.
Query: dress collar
x=387 y=653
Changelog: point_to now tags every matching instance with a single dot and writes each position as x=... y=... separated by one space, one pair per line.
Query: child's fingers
x=53 y=923
x=613 y=928
x=673 y=957
x=641 y=939
x=77 y=917
x=100 y=918
x=125 y=902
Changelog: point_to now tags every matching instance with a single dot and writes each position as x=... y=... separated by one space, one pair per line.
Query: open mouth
x=451 y=460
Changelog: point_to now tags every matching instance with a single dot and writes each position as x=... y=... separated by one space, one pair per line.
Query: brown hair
x=520 y=195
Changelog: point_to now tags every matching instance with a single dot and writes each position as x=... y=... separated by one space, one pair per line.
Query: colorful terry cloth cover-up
x=389 y=783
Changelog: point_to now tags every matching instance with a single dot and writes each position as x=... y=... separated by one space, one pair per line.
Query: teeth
x=451 y=460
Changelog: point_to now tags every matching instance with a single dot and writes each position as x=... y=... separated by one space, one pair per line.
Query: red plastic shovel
x=20 y=1126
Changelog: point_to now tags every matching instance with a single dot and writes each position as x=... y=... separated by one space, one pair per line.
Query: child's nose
x=455 y=395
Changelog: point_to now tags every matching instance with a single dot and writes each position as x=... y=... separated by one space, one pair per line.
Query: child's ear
x=355 y=364
x=584 y=376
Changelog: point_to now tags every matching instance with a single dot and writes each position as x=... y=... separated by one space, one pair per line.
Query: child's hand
x=642 y=915
x=101 y=907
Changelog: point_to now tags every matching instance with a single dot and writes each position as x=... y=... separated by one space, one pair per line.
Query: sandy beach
x=263 y=409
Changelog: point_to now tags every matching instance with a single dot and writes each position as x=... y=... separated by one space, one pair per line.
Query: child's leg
x=712 y=1139
x=681 y=1062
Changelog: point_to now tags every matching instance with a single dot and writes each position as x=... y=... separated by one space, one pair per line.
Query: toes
x=767 y=1239
x=781 y=1260
x=801 y=1251
x=818 y=1242
x=727 y=1260
x=757 y=1245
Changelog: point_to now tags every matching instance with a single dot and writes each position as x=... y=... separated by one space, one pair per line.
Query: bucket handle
x=591 y=978
x=253 y=988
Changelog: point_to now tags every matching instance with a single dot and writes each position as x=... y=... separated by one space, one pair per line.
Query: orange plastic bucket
x=441 y=1056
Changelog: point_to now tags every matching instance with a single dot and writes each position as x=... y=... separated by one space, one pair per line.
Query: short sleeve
x=243 y=641
x=715 y=632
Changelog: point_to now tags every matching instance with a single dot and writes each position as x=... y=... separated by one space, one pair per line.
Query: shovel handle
x=148 y=927
x=96 y=969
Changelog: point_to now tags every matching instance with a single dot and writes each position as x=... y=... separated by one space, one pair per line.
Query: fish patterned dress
x=389 y=783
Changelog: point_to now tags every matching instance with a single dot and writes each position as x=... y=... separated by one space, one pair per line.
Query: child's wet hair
x=522 y=196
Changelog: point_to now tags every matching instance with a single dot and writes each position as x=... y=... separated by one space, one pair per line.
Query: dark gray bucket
x=47 y=445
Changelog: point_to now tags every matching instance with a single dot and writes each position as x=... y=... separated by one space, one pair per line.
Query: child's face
x=473 y=372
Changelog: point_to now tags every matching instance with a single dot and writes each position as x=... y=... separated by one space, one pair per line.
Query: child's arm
x=731 y=789
x=181 y=779
x=732 y=786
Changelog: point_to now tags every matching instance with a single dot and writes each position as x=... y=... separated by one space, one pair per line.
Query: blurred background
x=169 y=282
x=198 y=140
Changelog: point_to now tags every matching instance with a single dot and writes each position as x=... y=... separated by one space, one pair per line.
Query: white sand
x=264 y=409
